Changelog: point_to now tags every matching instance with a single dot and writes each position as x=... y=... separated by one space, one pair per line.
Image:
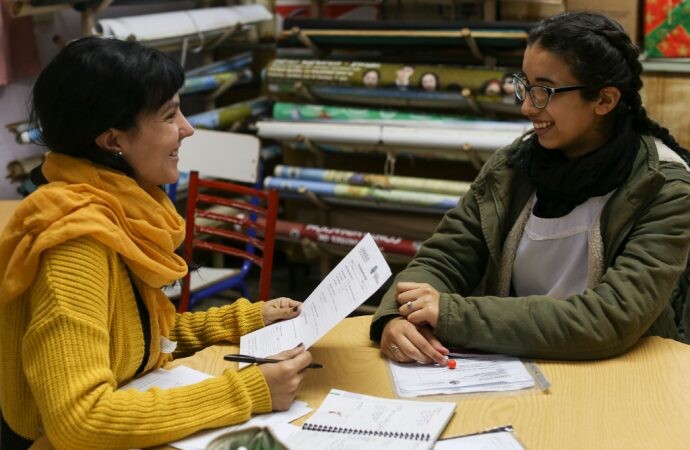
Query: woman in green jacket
x=572 y=242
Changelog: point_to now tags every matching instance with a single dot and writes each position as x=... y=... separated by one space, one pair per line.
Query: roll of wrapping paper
x=451 y=138
x=222 y=118
x=438 y=202
x=373 y=180
x=503 y=103
x=357 y=33
x=301 y=111
x=203 y=83
x=411 y=153
x=197 y=24
x=235 y=63
x=429 y=78
x=345 y=237
x=285 y=111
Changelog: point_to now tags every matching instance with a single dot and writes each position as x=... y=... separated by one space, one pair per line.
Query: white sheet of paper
x=166 y=379
x=356 y=277
x=501 y=440
x=473 y=373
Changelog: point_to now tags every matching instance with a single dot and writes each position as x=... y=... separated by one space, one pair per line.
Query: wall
x=14 y=96
x=666 y=98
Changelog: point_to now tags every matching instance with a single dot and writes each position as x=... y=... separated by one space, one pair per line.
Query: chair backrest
x=247 y=232
x=221 y=154
x=218 y=154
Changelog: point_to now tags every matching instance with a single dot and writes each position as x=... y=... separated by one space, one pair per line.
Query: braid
x=633 y=101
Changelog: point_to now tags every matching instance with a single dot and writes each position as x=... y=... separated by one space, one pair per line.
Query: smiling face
x=151 y=148
x=569 y=122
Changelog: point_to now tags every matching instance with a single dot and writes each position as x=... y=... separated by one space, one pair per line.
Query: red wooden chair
x=245 y=231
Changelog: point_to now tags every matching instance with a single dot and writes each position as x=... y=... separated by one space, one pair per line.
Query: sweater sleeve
x=69 y=355
x=196 y=330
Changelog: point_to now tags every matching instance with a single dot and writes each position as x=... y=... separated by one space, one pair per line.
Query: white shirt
x=553 y=255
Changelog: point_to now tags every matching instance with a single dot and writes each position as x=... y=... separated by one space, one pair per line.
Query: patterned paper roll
x=427 y=78
x=373 y=180
x=223 y=118
x=203 y=83
x=436 y=201
x=500 y=103
x=345 y=237
x=309 y=112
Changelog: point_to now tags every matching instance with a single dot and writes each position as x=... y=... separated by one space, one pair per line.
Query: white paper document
x=347 y=286
x=473 y=373
x=166 y=379
x=500 y=440
x=182 y=376
x=346 y=420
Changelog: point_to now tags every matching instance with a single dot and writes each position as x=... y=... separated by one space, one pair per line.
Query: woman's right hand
x=285 y=378
x=403 y=341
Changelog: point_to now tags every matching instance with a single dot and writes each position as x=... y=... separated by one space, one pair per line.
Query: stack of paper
x=473 y=373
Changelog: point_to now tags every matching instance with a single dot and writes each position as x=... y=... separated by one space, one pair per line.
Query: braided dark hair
x=599 y=54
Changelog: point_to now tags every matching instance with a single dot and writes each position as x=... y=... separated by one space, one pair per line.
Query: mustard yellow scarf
x=81 y=199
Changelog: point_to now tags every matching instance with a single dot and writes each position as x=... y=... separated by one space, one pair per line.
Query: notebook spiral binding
x=390 y=434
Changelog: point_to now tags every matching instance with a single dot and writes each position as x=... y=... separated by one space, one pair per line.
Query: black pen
x=256 y=360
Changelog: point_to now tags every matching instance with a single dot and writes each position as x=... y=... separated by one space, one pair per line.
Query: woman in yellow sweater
x=83 y=261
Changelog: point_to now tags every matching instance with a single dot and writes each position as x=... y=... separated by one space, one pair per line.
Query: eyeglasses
x=540 y=95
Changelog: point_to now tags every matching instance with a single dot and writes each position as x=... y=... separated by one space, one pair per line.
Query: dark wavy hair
x=94 y=84
x=599 y=53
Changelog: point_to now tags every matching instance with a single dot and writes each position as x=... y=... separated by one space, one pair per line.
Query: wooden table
x=640 y=400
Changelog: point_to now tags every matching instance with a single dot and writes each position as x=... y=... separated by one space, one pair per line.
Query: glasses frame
x=519 y=79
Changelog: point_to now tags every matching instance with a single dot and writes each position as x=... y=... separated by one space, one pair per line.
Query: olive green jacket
x=645 y=230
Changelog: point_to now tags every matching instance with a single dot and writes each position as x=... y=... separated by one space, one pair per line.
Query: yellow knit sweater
x=73 y=335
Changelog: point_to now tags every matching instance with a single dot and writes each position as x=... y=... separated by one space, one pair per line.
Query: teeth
x=541 y=124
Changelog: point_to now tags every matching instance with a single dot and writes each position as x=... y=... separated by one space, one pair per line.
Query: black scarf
x=564 y=183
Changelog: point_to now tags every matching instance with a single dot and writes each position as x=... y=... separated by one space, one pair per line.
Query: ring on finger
x=395 y=349
x=409 y=306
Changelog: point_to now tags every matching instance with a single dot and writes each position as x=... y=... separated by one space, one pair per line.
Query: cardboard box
x=530 y=10
x=627 y=12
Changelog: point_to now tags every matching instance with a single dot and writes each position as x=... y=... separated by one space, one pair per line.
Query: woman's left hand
x=281 y=308
x=418 y=302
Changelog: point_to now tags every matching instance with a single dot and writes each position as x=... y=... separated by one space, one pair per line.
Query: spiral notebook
x=373 y=422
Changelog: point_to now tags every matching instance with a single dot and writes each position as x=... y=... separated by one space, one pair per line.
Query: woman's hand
x=285 y=378
x=419 y=302
x=279 y=309
x=403 y=341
